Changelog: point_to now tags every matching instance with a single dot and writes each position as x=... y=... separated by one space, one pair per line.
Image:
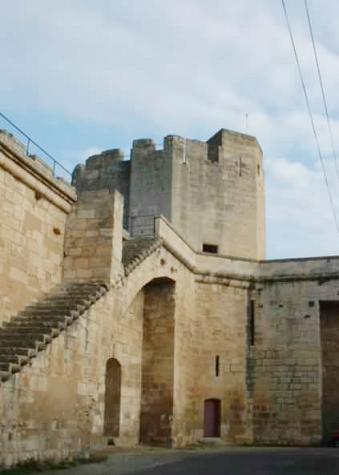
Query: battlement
x=219 y=147
x=105 y=158
x=146 y=148
x=211 y=191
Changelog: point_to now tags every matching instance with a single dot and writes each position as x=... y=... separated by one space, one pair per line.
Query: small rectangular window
x=251 y=323
x=217 y=365
x=210 y=248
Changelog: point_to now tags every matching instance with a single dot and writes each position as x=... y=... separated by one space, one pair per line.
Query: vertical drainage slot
x=251 y=323
x=217 y=365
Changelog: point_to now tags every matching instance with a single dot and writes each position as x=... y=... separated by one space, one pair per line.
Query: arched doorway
x=112 y=398
x=157 y=363
x=212 y=417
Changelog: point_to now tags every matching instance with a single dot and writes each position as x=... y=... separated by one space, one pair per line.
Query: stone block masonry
x=212 y=192
x=33 y=212
x=93 y=241
x=169 y=333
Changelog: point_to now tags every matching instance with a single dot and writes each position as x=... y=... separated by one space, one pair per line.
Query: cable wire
x=321 y=87
x=309 y=110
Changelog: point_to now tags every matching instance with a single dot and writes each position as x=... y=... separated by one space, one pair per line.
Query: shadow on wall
x=158 y=363
x=112 y=398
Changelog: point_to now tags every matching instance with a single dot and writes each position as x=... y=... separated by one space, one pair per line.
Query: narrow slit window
x=251 y=323
x=210 y=248
x=217 y=365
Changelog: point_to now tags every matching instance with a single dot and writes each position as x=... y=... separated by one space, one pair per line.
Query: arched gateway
x=157 y=363
x=112 y=398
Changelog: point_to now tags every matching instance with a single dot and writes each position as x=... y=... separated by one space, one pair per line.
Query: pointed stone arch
x=112 y=398
x=157 y=363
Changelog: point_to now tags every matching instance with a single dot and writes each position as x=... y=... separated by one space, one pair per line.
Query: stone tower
x=211 y=192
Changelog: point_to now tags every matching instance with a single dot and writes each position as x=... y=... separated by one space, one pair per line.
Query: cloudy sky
x=82 y=76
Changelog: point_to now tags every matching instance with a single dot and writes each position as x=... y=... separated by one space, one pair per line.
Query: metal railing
x=58 y=170
x=142 y=225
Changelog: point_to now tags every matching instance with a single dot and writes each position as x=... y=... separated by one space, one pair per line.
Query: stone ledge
x=34 y=173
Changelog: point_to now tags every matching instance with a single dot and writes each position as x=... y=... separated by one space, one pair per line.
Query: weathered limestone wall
x=33 y=212
x=329 y=335
x=220 y=331
x=218 y=195
x=54 y=408
x=287 y=356
x=211 y=320
x=172 y=315
x=93 y=240
x=156 y=415
x=106 y=171
x=212 y=192
x=150 y=189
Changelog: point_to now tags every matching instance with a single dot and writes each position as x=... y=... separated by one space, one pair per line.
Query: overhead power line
x=321 y=86
x=31 y=141
x=309 y=110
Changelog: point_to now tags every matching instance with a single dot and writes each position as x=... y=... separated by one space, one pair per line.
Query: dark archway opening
x=157 y=363
x=329 y=332
x=112 y=398
x=212 y=417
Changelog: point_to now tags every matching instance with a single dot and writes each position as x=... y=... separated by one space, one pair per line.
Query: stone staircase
x=32 y=329
x=136 y=250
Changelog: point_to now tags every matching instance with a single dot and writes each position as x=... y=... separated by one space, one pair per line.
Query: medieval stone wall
x=156 y=415
x=288 y=350
x=107 y=171
x=150 y=188
x=219 y=200
x=212 y=192
x=33 y=213
x=54 y=408
x=186 y=331
x=220 y=353
x=93 y=237
x=329 y=338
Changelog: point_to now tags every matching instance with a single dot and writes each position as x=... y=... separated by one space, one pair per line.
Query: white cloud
x=298 y=211
x=188 y=67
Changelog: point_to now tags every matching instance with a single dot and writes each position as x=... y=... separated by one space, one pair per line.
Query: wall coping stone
x=34 y=173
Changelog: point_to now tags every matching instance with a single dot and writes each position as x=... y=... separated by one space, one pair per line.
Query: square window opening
x=210 y=248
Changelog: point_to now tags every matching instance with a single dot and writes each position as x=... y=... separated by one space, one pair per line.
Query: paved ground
x=227 y=461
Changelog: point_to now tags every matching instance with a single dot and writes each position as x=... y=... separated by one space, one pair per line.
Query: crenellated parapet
x=212 y=192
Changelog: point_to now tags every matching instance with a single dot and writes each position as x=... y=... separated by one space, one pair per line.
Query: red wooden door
x=212 y=411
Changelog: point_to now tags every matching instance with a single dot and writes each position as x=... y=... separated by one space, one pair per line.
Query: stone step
x=25 y=342
x=32 y=329
x=49 y=313
x=24 y=330
x=4 y=375
x=37 y=320
x=20 y=352
x=10 y=367
x=46 y=309
x=21 y=360
x=14 y=367
x=81 y=290
x=10 y=335
x=71 y=303
x=69 y=300
x=93 y=294
x=24 y=325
